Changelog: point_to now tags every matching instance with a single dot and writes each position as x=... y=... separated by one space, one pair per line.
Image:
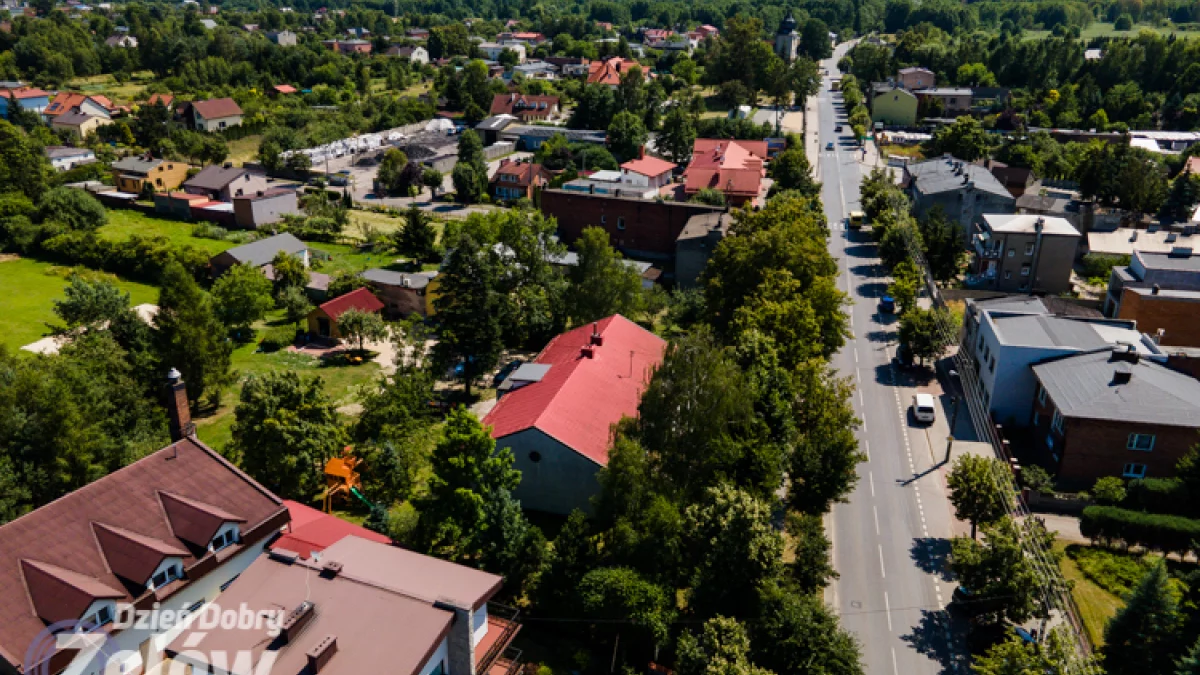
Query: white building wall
x=479 y=624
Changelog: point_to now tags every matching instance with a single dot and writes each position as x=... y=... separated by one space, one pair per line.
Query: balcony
x=493 y=655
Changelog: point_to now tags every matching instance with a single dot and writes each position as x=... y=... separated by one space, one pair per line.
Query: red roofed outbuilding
x=736 y=168
x=647 y=171
x=557 y=413
x=323 y=321
x=313 y=531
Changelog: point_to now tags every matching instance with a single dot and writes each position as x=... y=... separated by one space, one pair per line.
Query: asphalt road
x=892 y=537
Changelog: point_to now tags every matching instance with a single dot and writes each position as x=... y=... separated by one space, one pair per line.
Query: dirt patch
x=9 y=257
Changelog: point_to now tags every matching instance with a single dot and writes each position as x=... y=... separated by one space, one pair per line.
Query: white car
x=923 y=408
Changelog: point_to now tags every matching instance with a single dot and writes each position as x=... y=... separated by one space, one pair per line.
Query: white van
x=923 y=408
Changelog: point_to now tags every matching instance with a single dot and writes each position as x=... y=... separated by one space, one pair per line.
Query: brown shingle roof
x=61 y=541
x=216 y=108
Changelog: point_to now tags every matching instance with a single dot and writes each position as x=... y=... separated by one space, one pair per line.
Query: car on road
x=857 y=218
x=887 y=304
x=829 y=146
x=838 y=128
x=923 y=408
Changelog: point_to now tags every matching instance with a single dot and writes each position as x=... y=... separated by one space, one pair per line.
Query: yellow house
x=894 y=106
x=131 y=173
x=78 y=123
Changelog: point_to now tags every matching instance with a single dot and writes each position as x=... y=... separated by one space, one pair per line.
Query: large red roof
x=734 y=167
x=648 y=166
x=361 y=299
x=609 y=72
x=217 y=108
x=579 y=398
x=311 y=530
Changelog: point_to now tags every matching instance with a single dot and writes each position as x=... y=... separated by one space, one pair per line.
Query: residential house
x=175 y=527
x=284 y=90
x=650 y=172
x=402 y=293
x=66 y=102
x=916 y=78
x=695 y=245
x=610 y=71
x=570 y=66
x=417 y=33
x=953 y=101
x=1129 y=240
x=527 y=108
x=363 y=606
x=531 y=137
x=1160 y=291
x=165 y=100
x=1025 y=253
x=323 y=321
x=893 y=106
x=1003 y=339
x=555 y=413
x=216 y=114
x=223 y=183
x=264 y=207
x=707 y=30
x=414 y=53
x=78 y=124
x=490 y=128
x=651 y=36
x=1113 y=412
x=133 y=173
x=312 y=531
x=283 y=38
x=517 y=180
x=63 y=157
x=523 y=38
x=989 y=99
x=736 y=168
x=1015 y=179
x=492 y=50
x=122 y=41
x=354 y=46
x=965 y=191
x=639 y=228
x=260 y=253
x=534 y=70
x=209 y=24
x=28 y=98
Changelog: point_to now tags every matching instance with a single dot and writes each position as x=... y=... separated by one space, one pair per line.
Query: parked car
x=838 y=128
x=829 y=146
x=887 y=304
x=923 y=408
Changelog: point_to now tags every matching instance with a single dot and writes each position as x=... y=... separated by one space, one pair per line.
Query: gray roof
x=390 y=278
x=215 y=177
x=945 y=91
x=136 y=163
x=1032 y=330
x=1153 y=260
x=1028 y=304
x=496 y=122
x=1084 y=385
x=530 y=372
x=73 y=118
x=947 y=175
x=60 y=151
x=571 y=134
x=261 y=252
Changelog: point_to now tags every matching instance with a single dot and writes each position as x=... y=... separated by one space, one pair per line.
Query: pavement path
x=892 y=537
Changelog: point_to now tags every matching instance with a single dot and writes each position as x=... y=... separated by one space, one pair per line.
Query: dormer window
x=226 y=537
x=102 y=616
x=166 y=576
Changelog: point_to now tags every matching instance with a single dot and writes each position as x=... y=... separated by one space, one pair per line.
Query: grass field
x=1105 y=29
x=123 y=224
x=1096 y=605
x=28 y=304
x=243 y=149
x=108 y=86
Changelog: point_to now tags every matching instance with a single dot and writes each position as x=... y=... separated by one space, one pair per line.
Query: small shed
x=323 y=321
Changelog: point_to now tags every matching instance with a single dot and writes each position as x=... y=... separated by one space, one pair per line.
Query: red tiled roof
x=63 y=102
x=361 y=299
x=525 y=172
x=216 y=108
x=285 y=89
x=164 y=99
x=311 y=530
x=579 y=398
x=76 y=545
x=520 y=104
x=23 y=92
x=648 y=166
x=734 y=167
x=610 y=71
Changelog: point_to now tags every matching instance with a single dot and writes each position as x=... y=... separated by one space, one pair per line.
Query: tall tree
x=822 y=468
x=1144 y=635
x=797 y=634
x=1000 y=572
x=467 y=473
x=977 y=491
x=285 y=428
x=721 y=648
x=90 y=303
x=242 y=295
x=602 y=284
x=626 y=603
x=23 y=167
x=574 y=554
x=965 y=139
x=290 y=272
x=418 y=238
x=362 y=327
x=189 y=335
x=791 y=171
x=626 y=134
x=468 y=308
x=677 y=137
x=391 y=171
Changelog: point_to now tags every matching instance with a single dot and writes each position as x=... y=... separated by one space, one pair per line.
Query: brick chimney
x=179 y=415
x=641 y=152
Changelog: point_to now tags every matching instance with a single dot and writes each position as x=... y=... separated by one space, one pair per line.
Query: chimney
x=597 y=338
x=1039 y=224
x=641 y=152
x=1154 y=289
x=227 y=165
x=587 y=352
x=179 y=415
x=331 y=568
x=1122 y=374
x=295 y=621
x=320 y=654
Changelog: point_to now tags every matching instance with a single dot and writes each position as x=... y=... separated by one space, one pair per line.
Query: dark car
x=504 y=372
x=887 y=304
x=838 y=128
x=829 y=146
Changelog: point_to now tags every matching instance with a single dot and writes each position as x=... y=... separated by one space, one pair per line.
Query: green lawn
x=108 y=86
x=28 y=304
x=1105 y=29
x=243 y=149
x=123 y=223
x=341 y=382
x=1096 y=605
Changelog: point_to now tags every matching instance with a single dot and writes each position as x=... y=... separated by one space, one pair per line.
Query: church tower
x=787 y=40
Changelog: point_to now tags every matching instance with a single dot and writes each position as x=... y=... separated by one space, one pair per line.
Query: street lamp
x=953 y=419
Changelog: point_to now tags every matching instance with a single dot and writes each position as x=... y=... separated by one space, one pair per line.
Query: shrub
x=1123 y=22
x=1099 y=265
x=1159 y=495
x=1109 y=490
x=1035 y=478
x=277 y=338
x=209 y=231
x=1113 y=571
x=1171 y=534
x=135 y=258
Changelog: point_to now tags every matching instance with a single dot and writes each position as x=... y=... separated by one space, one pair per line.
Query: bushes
x=1171 y=534
x=1114 y=571
x=209 y=231
x=135 y=258
x=277 y=338
x=1159 y=495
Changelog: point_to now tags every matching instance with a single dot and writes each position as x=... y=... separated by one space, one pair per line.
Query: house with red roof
x=165 y=100
x=525 y=107
x=284 y=89
x=609 y=71
x=736 y=168
x=312 y=531
x=646 y=171
x=28 y=98
x=556 y=413
x=215 y=114
x=68 y=102
x=517 y=180
x=323 y=320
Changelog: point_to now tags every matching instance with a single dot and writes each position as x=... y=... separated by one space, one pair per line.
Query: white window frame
x=1130 y=470
x=1029 y=248
x=1057 y=422
x=1134 y=442
x=1025 y=269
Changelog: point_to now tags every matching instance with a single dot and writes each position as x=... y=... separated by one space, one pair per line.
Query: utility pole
x=953 y=420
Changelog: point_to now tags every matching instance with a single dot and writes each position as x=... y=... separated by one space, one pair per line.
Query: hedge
x=138 y=257
x=1159 y=495
x=1171 y=534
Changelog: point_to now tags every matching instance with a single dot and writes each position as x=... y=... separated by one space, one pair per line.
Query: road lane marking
x=875 y=510
x=895 y=668
x=887 y=609
x=856 y=355
x=871 y=478
x=882 y=571
x=861 y=402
